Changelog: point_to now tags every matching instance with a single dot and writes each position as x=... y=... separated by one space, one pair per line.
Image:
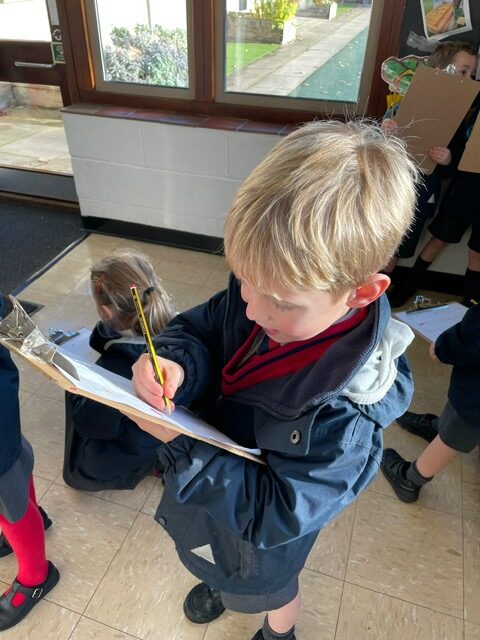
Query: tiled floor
x=34 y=138
x=382 y=571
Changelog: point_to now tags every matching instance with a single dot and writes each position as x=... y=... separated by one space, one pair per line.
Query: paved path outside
x=283 y=70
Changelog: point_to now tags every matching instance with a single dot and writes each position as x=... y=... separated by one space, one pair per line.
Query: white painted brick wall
x=176 y=177
x=163 y=175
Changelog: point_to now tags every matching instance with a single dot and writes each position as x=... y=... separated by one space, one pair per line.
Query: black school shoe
x=6 y=549
x=203 y=604
x=259 y=636
x=10 y=615
x=424 y=425
x=394 y=468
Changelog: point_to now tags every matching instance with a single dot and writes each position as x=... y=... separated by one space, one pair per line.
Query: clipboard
x=430 y=323
x=470 y=160
x=91 y=381
x=432 y=110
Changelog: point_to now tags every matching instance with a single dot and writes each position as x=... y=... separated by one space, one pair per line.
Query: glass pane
x=144 y=42
x=306 y=49
x=24 y=20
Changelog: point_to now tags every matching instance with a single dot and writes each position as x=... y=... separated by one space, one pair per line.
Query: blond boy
x=298 y=357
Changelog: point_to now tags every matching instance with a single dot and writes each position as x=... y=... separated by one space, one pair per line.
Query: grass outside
x=343 y=7
x=241 y=54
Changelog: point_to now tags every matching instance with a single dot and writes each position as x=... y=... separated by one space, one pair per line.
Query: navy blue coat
x=10 y=438
x=460 y=346
x=104 y=449
x=243 y=527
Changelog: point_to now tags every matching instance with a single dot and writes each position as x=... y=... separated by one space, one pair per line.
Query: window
x=303 y=54
x=141 y=46
x=277 y=60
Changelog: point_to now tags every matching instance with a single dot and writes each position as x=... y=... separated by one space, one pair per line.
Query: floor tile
x=90 y=630
x=472 y=631
x=134 y=498
x=146 y=576
x=367 y=615
x=153 y=500
x=471 y=532
x=408 y=552
x=43 y=424
x=330 y=552
x=84 y=538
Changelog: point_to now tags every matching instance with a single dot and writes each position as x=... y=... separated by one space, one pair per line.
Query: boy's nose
x=255 y=313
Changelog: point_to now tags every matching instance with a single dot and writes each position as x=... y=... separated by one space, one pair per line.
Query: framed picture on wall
x=443 y=18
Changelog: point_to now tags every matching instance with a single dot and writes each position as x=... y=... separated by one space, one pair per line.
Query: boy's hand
x=148 y=389
x=440 y=155
x=389 y=126
x=432 y=353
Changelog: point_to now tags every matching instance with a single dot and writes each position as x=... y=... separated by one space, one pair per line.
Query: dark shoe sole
x=202 y=604
x=10 y=616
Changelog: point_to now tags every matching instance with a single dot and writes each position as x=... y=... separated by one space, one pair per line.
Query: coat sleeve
x=460 y=345
x=190 y=339
x=289 y=497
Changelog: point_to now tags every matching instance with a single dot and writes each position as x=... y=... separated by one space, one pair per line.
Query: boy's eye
x=282 y=306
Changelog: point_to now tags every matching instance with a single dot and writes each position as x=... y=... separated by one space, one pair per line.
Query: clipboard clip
x=19 y=328
x=422 y=303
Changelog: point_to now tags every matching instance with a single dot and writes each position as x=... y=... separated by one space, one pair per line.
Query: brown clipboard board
x=432 y=110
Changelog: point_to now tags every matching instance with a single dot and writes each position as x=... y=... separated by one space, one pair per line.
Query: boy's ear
x=366 y=293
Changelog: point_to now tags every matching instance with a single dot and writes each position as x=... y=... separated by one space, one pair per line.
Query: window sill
x=179 y=119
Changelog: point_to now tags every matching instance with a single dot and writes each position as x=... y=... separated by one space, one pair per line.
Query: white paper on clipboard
x=430 y=323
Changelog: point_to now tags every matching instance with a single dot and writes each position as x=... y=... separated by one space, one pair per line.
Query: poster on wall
x=443 y=18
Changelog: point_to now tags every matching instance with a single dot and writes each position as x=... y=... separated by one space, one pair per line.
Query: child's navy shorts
x=460 y=209
x=259 y=603
x=456 y=433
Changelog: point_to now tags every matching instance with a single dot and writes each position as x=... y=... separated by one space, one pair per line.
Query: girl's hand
x=156 y=430
x=440 y=155
x=432 y=353
x=389 y=126
x=148 y=389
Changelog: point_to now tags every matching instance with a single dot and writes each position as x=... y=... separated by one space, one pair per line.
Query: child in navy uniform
x=464 y=58
x=21 y=520
x=458 y=427
x=104 y=449
x=298 y=357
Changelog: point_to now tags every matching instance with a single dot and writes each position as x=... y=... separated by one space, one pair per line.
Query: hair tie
x=149 y=290
x=98 y=286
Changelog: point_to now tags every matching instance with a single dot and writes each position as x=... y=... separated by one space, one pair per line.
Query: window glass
x=143 y=42
x=312 y=49
x=24 y=20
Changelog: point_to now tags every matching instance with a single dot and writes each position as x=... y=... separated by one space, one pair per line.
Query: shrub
x=278 y=11
x=147 y=55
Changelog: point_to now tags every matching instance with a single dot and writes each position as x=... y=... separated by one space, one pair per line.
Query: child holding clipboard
x=458 y=427
x=463 y=57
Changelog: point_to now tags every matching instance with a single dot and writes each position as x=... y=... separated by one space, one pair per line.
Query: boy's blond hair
x=325 y=209
x=110 y=280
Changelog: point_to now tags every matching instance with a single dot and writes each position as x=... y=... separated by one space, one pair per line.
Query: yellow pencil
x=148 y=340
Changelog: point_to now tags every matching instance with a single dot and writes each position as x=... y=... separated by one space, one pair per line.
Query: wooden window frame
x=80 y=69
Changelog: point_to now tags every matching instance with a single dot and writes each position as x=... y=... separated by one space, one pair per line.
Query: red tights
x=27 y=539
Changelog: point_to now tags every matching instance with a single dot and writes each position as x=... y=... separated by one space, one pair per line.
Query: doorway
x=34 y=158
